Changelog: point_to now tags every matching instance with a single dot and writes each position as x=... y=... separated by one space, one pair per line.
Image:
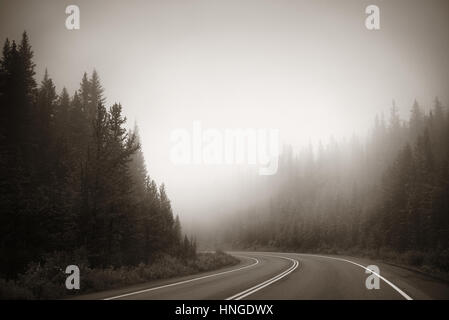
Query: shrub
x=414 y=258
x=11 y=290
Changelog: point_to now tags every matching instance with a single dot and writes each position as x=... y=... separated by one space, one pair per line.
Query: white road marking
x=406 y=296
x=185 y=281
x=266 y=283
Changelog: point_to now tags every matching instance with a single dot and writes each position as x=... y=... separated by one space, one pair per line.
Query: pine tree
x=62 y=112
x=177 y=235
x=138 y=168
x=437 y=131
x=416 y=121
x=96 y=90
x=44 y=124
x=166 y=218
x=84 y=93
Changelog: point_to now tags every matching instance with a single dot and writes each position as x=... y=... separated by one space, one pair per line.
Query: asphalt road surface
x=275 y=275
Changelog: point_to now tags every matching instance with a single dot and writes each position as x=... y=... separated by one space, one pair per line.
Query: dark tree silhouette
x=73 y=179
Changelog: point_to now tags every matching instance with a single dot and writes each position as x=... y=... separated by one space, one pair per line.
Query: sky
x=310 y=69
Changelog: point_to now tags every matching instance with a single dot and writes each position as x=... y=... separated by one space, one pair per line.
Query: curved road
x=273 y=275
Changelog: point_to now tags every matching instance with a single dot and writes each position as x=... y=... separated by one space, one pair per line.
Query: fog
x=309 y=69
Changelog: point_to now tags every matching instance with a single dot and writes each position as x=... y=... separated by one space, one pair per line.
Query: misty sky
x=308 y=68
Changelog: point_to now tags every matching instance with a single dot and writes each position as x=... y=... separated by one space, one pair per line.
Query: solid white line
x=185 y=281
x=406 y=296
x=266 y=283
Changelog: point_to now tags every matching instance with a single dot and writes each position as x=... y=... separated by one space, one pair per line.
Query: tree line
x=73 y=178
x=390 y=192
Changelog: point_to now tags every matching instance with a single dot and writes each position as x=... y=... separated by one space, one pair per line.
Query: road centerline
x=268 y=282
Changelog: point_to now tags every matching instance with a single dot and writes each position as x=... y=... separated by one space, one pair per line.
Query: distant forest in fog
x=73 y=180
x=387 y=196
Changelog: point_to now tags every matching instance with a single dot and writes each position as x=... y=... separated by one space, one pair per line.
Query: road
x=273 y=275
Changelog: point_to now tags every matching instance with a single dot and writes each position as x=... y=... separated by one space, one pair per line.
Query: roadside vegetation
x=47 y=280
